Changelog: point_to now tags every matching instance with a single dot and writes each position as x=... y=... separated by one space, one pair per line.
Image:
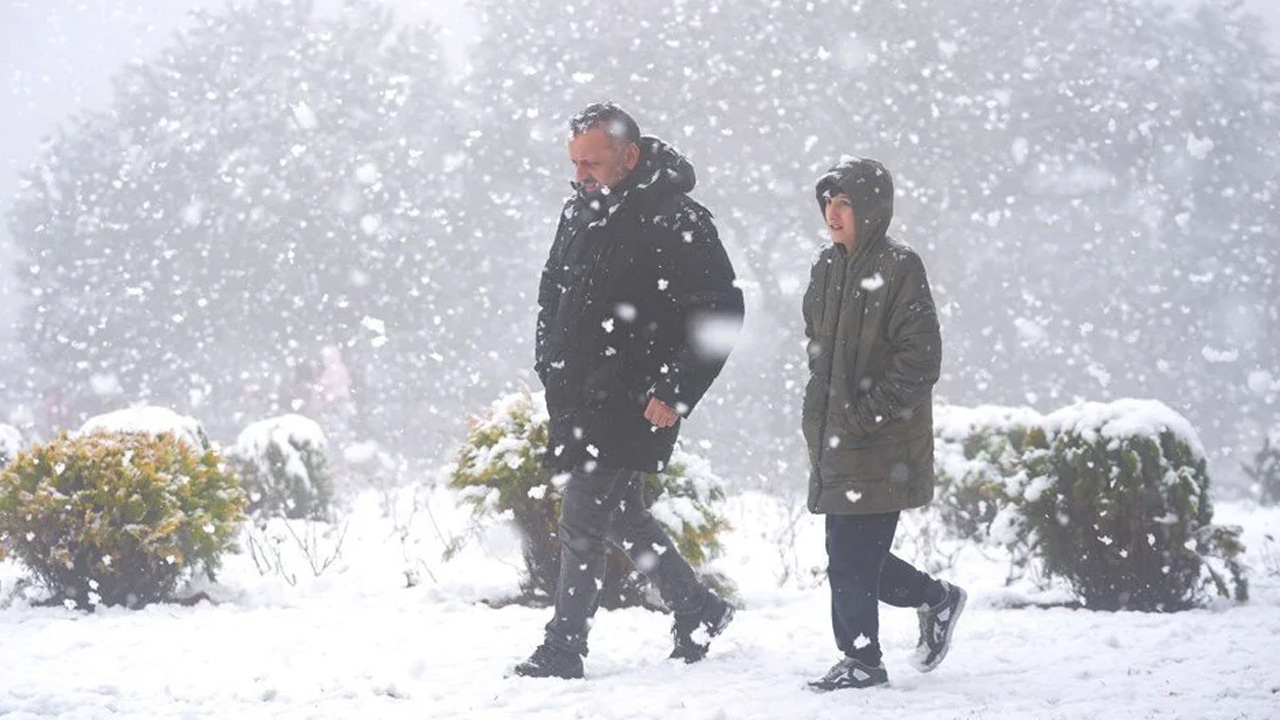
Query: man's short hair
x=616 y=122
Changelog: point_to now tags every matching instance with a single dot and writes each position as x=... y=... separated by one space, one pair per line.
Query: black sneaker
x=549 y=661
x=713 y=619
x=850 y=673
x=937 y=624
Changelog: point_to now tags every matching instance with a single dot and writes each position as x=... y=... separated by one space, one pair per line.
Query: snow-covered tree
x=1092 y=185
x=270 y=188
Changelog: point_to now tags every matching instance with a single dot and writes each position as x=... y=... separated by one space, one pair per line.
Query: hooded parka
x=874 y=355
x=637 y=300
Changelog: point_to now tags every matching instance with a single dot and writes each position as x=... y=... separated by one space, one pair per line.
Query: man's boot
x=550 y=661
x=692 y=634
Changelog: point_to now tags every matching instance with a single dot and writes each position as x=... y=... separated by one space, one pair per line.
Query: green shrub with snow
x=499 y=468
x=979 y=459
x=1114 y=498
x=1120 y=503
x=283 y=464
x=1265 y=469
x=118 y=518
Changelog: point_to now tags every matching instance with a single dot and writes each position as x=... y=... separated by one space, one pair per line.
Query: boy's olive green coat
x=874 y=356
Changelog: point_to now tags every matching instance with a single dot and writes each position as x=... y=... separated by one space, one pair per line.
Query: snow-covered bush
x=117 y=518
x=1124 y=512
x=979 y=463
x=10 y=444
x=283 y=463
x=1114 y=498
x=1264 y=470
x=150 y=420
x=499 y=467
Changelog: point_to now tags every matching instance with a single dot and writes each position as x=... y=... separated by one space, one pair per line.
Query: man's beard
x=600 y=192
x=598 y=201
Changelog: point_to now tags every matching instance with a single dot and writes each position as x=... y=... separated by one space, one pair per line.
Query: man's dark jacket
x=874 y=355
x=637 y=299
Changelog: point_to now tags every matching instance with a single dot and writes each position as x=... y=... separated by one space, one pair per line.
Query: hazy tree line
x=1092 y=183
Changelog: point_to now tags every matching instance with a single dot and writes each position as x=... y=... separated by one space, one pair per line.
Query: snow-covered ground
x=356 y=642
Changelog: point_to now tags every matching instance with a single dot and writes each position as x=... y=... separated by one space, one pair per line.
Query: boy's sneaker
x=692 y=635
x=549 y=661
x=937 y=624
x=850 y=673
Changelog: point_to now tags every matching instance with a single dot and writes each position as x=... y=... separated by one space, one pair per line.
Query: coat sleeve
x=809 y=307
x=915 y=355
x=549 y=290
x=704 y=288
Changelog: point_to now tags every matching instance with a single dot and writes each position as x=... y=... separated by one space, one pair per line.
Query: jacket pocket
x=850 y=426
x=606 y=388
x=860 y=386
x=901 y=460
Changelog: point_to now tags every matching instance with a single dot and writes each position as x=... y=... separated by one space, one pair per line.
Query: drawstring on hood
x=869 y=187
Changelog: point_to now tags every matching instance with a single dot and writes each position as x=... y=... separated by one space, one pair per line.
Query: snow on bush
x=117 y=518
x=499 y=467
x=1112 y=497
x=978 y=461
x=150 y=420
x=10 y=444
x=283 y=463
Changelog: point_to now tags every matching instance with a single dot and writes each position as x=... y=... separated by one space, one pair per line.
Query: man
x=634 y=302
x=874 y=356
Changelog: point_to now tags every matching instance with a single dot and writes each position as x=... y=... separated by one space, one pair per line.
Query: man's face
x=840 y=220
x=600 y=161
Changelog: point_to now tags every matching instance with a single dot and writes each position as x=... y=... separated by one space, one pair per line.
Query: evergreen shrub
x=283 y=464
x=1112 y=497
x=499 y=468
x=117 y=518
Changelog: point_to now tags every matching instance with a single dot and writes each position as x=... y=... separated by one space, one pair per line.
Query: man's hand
x=659 y=414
